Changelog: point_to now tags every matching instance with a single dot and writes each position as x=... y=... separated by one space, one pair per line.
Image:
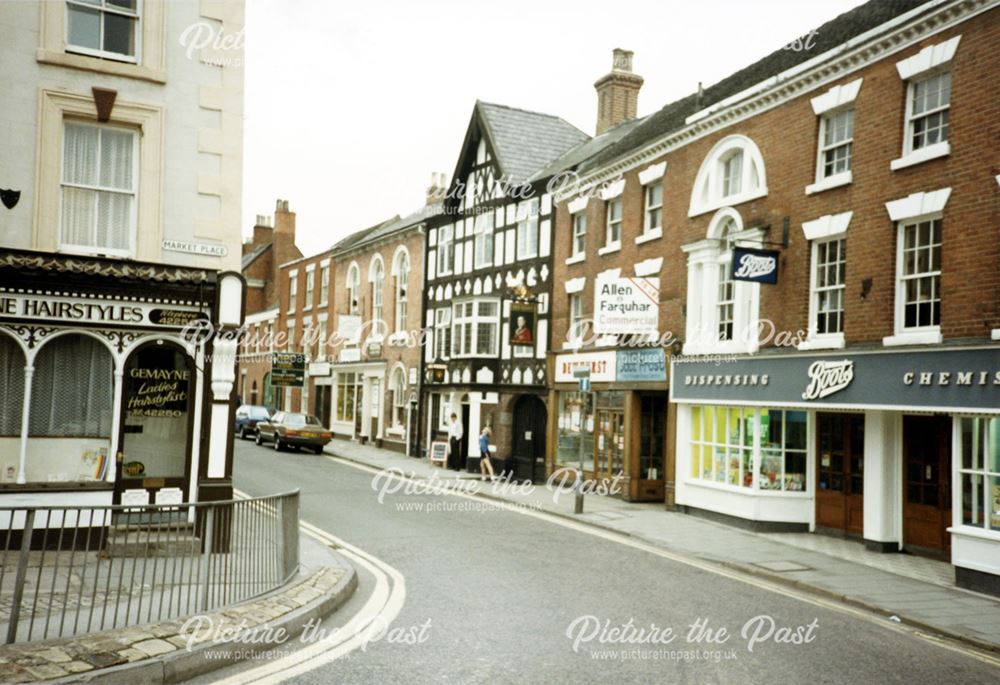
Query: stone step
x=143 y=543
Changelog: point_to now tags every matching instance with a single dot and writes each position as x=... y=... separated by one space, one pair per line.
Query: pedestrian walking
x=484 y=455
x=455 y=435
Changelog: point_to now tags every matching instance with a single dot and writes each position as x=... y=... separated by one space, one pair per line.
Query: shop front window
x=980 y=472
x=723 y=447
x=346 y=396
x=576 y=423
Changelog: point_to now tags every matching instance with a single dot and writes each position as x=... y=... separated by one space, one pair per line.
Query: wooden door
x=609 y=448
x=927 y=482
x=530 y=422
x=840 y=448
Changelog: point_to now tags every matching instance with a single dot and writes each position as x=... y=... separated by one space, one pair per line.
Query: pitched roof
x=587 y=149
x=251 y=256
x=524 y=141
x=828 y=36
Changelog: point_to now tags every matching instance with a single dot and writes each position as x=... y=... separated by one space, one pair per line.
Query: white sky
x=351 y=105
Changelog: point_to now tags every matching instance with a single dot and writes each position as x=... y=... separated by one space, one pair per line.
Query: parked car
x=292 y=429
x=247 y=418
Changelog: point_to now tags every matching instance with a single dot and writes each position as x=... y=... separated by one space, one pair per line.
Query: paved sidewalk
x=917 y=591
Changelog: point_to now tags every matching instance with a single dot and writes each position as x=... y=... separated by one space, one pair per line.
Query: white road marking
x=384 y=605
x=716 y=569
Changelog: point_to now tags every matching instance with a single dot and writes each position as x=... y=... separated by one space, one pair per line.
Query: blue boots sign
x=756 y=266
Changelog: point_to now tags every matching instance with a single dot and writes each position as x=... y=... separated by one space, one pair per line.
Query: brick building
x=271 y=245
x=859 y=394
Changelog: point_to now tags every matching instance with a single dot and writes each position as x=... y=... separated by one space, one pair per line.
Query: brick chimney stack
x=437 y=189
x=263 y=231
x=284 y=233
x=617 y=92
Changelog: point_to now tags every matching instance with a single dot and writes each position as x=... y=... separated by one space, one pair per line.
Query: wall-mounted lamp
x=866 y=287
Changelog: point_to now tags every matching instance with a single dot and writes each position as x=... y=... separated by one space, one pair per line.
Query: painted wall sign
x=642 y=365
x=191 y=247
x=601 y=364
x=288 y=369
x=955 y=379
x=50 y=308
x=161 y=393
x=755 y=266
x=626 y=305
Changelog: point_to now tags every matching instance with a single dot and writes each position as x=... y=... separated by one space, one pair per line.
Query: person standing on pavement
x=455 y=435
x=484 y=455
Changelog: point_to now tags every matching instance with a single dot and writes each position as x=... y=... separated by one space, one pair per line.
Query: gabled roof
x=827 y=37
x=587 y=149
x=524 y=141
x=251 y=256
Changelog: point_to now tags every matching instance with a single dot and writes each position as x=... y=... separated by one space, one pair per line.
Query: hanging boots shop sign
x=755 y=266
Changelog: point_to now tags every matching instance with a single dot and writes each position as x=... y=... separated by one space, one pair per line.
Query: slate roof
x=826 y=37
x=250 y=257
x=524 y=141
x=387 y=227
x=587 y=149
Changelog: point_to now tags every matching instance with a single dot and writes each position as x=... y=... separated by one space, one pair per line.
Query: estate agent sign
x=626 y=305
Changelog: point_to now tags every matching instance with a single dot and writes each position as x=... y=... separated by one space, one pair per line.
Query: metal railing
x=72 y=570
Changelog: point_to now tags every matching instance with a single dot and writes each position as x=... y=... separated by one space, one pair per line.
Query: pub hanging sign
x=755 y=266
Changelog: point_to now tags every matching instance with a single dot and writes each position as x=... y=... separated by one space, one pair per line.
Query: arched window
x=398 y=388
x=377 y=277
x=722 y=313
x=72 y=389
x=401 y=271
x=11 y=386
x=353 y=288
x=731 y=173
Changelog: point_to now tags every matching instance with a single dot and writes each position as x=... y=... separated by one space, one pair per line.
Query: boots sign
x=755 y=266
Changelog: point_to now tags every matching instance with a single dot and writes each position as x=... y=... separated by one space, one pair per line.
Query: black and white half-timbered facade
x=488 y=287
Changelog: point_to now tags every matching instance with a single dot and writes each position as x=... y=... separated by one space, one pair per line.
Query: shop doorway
x=530 y=418
x=610 y=448
x=157 y=414
x=926 y=482
x=652 y=444
x=322 y=404
x=463 y=444
x=840 y=453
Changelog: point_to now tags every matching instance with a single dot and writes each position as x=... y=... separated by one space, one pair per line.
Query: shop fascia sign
x=59 y=308
x=626 y=305
x=755 y=266
x=601 y=365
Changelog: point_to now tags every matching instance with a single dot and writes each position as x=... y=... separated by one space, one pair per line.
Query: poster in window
x=522 y=324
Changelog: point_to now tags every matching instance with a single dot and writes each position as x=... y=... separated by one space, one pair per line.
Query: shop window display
x=980 y=473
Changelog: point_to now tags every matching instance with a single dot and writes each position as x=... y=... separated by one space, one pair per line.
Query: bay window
x=99 y=188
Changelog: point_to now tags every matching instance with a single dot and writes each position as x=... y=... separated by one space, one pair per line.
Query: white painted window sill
x=576 y=259
x=835 y=181
x=608 y=249
x=649 y=235
x=922 y=155
x=928 y=337
x=823 y=342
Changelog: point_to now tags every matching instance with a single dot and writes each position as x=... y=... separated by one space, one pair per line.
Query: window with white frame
x=919 y=288
x=321 y=340
x=579 y=234
x=653 y=220
x=484 y=239
x=527 y=231
x=836 y=143
x=927 y=111
x=402 y=289
x=722 y=314
x=291 y=337
x=445 y=249
x=398 y=389
x=829 y=262
x=378 y=289
x=442 y=333
x=475 y=328
x=613 y=228
x=310 y=285
x=353 y=288
x=99 y=187
x=979 y=471
x=103 y=28
x=324 y=285
x=577 y=327
x=746 y=447
x=731 y=173
x=293 y=290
